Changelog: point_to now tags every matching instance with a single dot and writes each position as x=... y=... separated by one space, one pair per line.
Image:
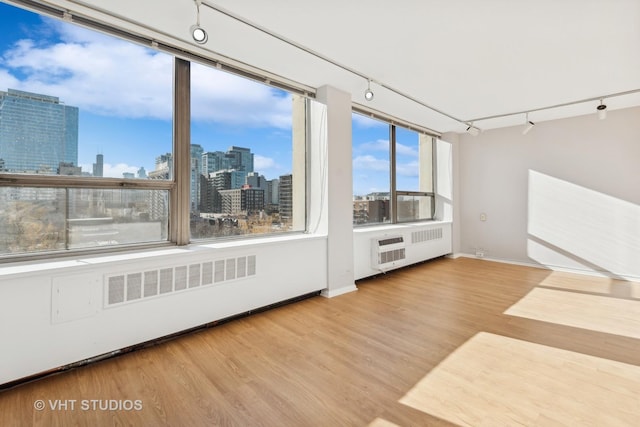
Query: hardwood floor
x=426 y=345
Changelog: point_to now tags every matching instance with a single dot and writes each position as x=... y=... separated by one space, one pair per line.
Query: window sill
x=26 y=268
x=398 y=227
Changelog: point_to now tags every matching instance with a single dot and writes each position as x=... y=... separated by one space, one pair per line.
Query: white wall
x=56 y=313
x=566 y=195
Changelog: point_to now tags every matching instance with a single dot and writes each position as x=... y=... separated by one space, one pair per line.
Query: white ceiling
x=467 y=58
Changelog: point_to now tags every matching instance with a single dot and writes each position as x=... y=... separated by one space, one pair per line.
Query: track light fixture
x=528 y=125
x=602 y=111
x=368 y=94
x=197 y=32
x=472 y=130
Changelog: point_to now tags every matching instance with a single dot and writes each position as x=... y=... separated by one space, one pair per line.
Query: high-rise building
x=37 y=132
x=65 y=168
x=213 y=161
x=98 y=166
x=370 y=211
x=286 y=197
x=271 y=196
x=164 y=167
x=164 y=161
x=245 y=201
x=255 y=180
x=273 y=189
x=196 y=171
x=241 y=159
x=219 y=181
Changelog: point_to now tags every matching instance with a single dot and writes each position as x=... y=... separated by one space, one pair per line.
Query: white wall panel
x=566 y=195
x=41 y=329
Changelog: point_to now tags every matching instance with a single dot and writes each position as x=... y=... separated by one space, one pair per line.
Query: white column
x=339 y=192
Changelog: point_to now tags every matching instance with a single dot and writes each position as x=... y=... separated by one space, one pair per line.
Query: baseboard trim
x=559 y=268
x=331 y=293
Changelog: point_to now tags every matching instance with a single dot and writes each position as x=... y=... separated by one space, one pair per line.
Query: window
x=392 y=173
x=414 y=195
x=371 y=171
x=92 y=146
x=83 y=116
x=246 y=140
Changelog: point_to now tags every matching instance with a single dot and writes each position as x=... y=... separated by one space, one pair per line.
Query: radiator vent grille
x=135 y=286
x=391 y=256
x=387 y=252
x=116 y=290
x=426 y=235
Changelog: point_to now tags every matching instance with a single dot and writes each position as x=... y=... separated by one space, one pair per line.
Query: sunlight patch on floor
x=379 y=422
x=494 y=380
x=597 y=313
x=589 y=284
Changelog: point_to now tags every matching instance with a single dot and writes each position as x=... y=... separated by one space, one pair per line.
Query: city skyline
x=124 y=98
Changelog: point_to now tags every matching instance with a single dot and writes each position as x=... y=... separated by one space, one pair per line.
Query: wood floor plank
x=432 y=344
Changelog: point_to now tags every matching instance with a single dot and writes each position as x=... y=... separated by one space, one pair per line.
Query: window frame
x=178 y=187
x=299 y=161
x=394 y=192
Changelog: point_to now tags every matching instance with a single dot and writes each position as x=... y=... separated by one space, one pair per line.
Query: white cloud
x=7 y=80
x=221 y=97
x=116 y=171
x=408 y=169
x=261 y=163
x=369 y=162
x=406 y=150
x=107 y=76
x=377 y=145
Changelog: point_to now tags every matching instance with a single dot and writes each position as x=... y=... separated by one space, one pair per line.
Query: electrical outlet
x=480 y=252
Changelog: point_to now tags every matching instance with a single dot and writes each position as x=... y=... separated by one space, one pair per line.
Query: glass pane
x=48 y=219
x=247 y=156
x=407 y=161
x=99 y=217
x=371 y=170
x=414 y=208
x=31 y=219
x=77 y=102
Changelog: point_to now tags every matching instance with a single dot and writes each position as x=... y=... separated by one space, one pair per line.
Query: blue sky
x=123 y=92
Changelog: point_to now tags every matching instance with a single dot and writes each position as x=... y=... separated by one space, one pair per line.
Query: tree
x=27 y=226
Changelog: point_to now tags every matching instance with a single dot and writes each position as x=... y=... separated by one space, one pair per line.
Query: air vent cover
x=140 y=285
x=387 y=252
x=426 y=235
